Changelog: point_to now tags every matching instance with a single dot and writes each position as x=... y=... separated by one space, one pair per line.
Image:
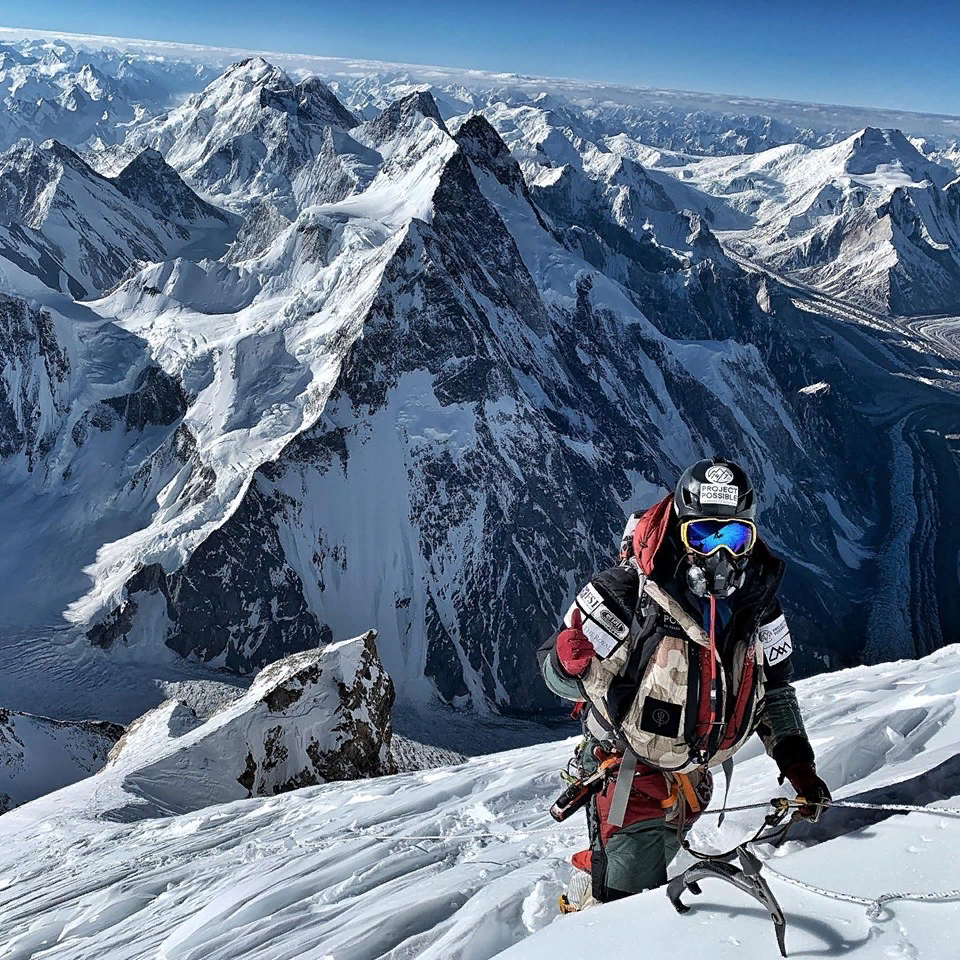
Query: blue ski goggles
x=706 y=537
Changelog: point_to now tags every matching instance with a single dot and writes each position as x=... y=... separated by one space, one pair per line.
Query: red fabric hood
x=649 y=532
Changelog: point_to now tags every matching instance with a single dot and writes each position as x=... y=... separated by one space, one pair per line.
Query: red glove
x=574 y=650
x=803 y=777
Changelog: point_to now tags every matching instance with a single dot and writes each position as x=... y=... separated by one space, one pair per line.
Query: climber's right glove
x=574 y=649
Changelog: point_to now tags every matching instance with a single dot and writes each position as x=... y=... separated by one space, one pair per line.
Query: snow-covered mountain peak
x=875 y=151
x=256 y=71
x=324 y=103
x=485 y=147
x=154 y=185
x=399 y=120
x=97 y=228
x=254 y=134
x=32 y=175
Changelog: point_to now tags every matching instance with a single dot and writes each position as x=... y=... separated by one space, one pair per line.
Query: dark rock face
x=150 y=182
x=253 y=611
x=35 y=371
x=400 y=116
x=571 y=410
x=157 y=398
x=315 y=96
x=257 y=610
x=264 y=224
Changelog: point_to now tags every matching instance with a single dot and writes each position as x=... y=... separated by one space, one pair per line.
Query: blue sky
x=881 y=53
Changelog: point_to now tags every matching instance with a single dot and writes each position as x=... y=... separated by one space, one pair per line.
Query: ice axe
x=746 y=877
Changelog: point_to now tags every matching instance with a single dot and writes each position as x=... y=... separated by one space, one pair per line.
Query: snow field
x=463 y=862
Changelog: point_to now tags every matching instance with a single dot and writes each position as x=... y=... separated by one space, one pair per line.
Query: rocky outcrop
x=34 y=381
x=39 y=755
x=314 y=717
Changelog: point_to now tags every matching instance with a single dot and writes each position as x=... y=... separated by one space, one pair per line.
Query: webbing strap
x=727 y=767
x=622 y=788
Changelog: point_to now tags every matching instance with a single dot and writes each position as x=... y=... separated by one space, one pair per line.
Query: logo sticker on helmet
x=719 y=473
x=723 y=494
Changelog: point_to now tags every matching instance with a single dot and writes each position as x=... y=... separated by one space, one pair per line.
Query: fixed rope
x=520 y=834
x=874 y=905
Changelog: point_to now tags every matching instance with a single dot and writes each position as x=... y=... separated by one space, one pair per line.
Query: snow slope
x=39 y=755
x=97 y=229
x=464 y=862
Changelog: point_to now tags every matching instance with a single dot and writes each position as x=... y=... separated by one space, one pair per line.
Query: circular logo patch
x=719 y=474
x=660 y=717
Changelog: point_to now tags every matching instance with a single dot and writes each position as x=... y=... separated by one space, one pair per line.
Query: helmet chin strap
x=717 y=576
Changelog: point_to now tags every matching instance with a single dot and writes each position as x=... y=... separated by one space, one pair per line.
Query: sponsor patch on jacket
x=608 y=619
x=724 y=494
x=603 y=642
x=776 y=640
x=588 y=599
x=661 y=717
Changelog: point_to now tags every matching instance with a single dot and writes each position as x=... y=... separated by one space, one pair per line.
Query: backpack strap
x=622 y=788
x=663 y=600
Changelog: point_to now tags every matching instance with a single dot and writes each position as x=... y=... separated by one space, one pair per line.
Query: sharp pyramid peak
x=255 y=70
x=420 y=101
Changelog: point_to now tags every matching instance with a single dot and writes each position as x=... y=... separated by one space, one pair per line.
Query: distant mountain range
x=282 y=360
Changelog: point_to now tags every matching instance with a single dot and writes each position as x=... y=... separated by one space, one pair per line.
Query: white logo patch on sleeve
x=588 y=599
x=776 y=640
x=603 y=642
x=725 y=494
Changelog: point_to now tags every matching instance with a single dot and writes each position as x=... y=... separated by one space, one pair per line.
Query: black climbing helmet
x=714 y=488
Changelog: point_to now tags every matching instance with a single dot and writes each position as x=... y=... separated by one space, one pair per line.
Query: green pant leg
x=636 y=856
x=634 y=859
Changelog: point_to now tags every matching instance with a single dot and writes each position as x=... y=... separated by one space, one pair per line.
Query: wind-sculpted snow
x=464 y=863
